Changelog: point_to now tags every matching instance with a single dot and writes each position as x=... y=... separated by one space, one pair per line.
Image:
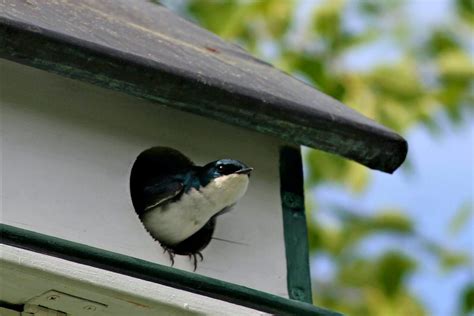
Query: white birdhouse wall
x=67 y=152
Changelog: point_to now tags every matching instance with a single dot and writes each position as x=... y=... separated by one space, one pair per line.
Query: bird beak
x=244 y=171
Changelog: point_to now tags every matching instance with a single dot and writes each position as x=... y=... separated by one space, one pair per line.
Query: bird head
x=223 y=168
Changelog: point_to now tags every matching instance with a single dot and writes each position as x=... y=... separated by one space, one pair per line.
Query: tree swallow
x=179 y=209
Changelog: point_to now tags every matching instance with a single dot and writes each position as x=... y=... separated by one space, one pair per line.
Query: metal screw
x=53 y=297
x=298 y=293
x=89 y=308
x=292 y=200
x=296 y=213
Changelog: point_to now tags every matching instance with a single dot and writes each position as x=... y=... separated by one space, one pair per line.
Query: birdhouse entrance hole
x=155 y=164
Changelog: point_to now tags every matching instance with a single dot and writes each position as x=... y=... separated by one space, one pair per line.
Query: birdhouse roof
x=145 y=50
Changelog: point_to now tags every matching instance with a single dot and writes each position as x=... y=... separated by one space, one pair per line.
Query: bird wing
x=160 y=193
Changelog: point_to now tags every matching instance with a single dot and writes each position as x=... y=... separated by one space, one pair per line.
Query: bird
x=179 y=205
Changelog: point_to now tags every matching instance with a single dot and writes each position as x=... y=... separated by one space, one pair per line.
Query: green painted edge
x=149 y=271
x=294 y=224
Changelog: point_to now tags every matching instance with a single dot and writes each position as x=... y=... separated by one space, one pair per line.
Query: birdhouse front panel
x=87 y=172
x=68 y=153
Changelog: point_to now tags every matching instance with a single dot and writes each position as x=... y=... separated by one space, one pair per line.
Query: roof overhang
x=145 y=50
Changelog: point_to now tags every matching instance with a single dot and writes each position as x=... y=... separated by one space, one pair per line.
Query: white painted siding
x=67 y=151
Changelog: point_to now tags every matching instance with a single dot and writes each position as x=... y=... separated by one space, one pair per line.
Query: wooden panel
x=8 y=312
x=68 y=149
x=157 y=273
x=294 y=218
x=26 y=274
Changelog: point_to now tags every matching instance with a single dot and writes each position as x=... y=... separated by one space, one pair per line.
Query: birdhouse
x=103 y=100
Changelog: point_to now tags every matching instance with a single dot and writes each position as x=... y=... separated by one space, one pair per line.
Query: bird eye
x=226 y=169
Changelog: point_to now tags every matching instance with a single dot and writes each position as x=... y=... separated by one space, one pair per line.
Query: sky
x=440 y=182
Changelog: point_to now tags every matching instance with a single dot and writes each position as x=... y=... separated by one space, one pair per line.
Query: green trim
x=156 y=273
x=294 y=222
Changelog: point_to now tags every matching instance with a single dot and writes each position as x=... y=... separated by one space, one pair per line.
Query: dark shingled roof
x=143 y=49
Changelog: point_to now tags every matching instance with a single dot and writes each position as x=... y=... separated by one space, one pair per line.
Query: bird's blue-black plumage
x=169 y=188
x=158 y=182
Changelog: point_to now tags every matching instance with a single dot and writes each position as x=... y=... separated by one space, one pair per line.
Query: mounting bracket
x=55 y=303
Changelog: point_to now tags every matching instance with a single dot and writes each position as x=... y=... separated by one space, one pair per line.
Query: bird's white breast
x=174 y=222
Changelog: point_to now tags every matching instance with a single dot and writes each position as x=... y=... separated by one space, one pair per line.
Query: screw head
x=52 y=297
x=298 y=293
x=89 y=308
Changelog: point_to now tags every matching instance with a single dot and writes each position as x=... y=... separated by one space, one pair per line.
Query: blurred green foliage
x=433 y=71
